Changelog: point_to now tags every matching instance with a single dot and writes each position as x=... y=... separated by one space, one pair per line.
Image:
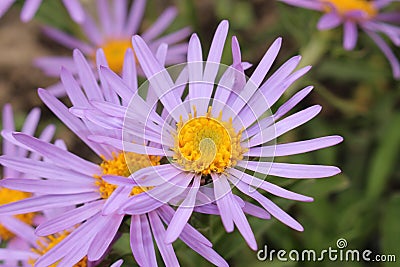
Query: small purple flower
x=71 y=180
x=31 y=6
x=212 y=135
x=359 y=13
x=113 y=33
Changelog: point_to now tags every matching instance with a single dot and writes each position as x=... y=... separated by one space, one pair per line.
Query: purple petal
x=314 y=5
x=115 y=201
x=159 y=79
x=29 y=9
x=129 y=147
x=166 y=250
x=69 y=219
x=81 y=237
x=118 y=180
x=39 y=203
x=166 y=213
x=109 y=95
x=12 y=254
x=73 y=89
x=162 y=23
x=328 y=21
x=195 y=66
x=118 y=263
x=263 y=99
x=120 y=9
x=129 y=73
x=135 y=17
x=255 y=183
x=288 y=170
x=45 y=170
x=19 y=228
x=67 y=40
x=136 y=240
x=69 y=120
x=260 y=72
x=117 y=84
x=75 y=10
x=212 y=64
x=394 y=62
x=271 y=207
x=183 y=213
x=284 y=125
x=349 y=35
x=74 y=255
x=294 y=147
x=221 y=189
x=241 y=222
x=103 y=10
x=5 y=5
x=47 y=186
x=256 y=211
x=57 y=155
x=159 y=195
x=292 y=102
x=155 y=175
x=87 y=77
x=104 y=237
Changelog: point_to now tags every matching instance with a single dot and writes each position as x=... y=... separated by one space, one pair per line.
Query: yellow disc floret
x=8 y=196
x=123 y=164
x=205 y=144
x=49 y=242
x=345 y=6
x=114 y=51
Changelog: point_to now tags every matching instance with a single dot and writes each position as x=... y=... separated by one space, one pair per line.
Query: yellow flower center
x=8 y=196
x=123 y=164
x=49 y=242
x=345 y=6
x=205 y=144
x=114 y=51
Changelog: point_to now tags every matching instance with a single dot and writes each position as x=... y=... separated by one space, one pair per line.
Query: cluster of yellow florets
x=123 y=164
x=205 y=144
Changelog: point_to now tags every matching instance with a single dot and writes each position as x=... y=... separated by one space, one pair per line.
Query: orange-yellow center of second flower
x=345 y=6
x=123 y=164
x=114 y=51
x=205 y=144
x=8 y=196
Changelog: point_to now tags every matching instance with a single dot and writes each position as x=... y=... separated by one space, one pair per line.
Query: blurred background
x=360 y=101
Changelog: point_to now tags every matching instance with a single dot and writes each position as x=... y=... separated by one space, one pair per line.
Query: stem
x=345 y=106
x=315 y=49
x=311 y=55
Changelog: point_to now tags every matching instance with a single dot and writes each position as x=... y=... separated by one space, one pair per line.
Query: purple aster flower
x=359 y=13
x=13 y=227
x=214 y=135
x=113 y=34
x=31 y=6
x=71 y=180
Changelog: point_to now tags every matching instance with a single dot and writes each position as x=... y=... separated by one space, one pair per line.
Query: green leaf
x=390 y=228
x=385 y=159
